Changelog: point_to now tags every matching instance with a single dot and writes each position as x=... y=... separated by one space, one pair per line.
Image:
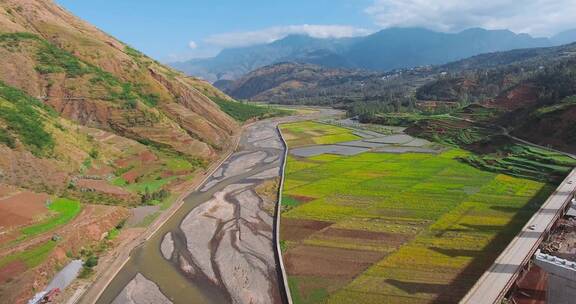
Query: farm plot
x=65 y=210
x=395 y=228
x=312 y=133
x=26 y=214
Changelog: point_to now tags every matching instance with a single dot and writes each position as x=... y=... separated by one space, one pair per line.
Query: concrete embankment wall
x=282 y=277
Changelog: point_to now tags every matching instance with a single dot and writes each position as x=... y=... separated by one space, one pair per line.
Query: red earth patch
x=11 y=270
x=22 y=208
x=101 y=186
x=298 y=229
x=307 y=260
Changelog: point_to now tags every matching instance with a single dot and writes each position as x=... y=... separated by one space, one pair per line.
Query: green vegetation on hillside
x=32 y=257
x=12 y=40
x=178 y=164
x=491 y=149
x=24 y=118
x=7 y=139
x=149 y=185
x=383 y=228
x=243 y=111
x=52 y=59
x=526 y=162
x=149 y=175
x=65 y=210
x=562 y=105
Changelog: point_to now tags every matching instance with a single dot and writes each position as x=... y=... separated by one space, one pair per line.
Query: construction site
x=559 y=247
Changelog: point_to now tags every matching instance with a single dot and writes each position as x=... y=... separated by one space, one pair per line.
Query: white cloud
x=536 y=17
x=240 y=39
x=193 y=45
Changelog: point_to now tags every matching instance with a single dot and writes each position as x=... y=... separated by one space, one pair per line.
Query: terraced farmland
x=393 y=228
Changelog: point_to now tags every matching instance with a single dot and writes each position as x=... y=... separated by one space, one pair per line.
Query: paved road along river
x=218 y=247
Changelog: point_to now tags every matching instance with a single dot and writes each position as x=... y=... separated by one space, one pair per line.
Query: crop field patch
x=396 y=228
x=297 y=229
x=320 y=260
x=65 y=211
x=310 y=133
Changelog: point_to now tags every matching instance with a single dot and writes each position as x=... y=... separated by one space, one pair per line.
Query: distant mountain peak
x=388 y=49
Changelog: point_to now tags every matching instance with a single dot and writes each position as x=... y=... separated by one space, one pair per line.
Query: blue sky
x=164 y=29
x=172 y=30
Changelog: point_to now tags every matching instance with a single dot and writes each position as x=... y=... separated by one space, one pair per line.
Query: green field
x=65 y=210
x=394 y=228
x=154 y=175
x=178 y=164
x=31 y=257
x=244 y=111
x=149 y=185
x=310 y=133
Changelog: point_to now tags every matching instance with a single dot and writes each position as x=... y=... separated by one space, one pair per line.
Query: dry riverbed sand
x=230 y=237
x=225 y=245
x=141 y=291
x=228 y=240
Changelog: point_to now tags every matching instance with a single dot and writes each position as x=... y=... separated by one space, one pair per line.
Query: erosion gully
x=218 y=247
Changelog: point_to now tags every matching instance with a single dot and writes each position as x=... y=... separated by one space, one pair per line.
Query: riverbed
x=219 y=246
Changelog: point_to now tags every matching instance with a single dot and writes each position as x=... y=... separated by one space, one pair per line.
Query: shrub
x=91 y=262
x=150 y=99
x=54 y=60
x=23 y=118
x=7 y=139
x=94 y=153
x=133 y=52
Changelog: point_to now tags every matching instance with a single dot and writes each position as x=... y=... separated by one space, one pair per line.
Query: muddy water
x=179 y=279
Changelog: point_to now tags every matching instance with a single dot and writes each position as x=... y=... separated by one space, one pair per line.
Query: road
x=506 y=133
x=495 y=282
x=219 y=246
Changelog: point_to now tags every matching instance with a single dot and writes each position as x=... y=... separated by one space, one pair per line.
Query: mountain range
x=393 y=48
x=531 y=90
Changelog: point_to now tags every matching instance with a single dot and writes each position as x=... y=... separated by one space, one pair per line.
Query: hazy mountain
x=306 y=83
x=410 y=47
x=233 y=63
x=565 y=37
x=533 y=89
x=382 y=51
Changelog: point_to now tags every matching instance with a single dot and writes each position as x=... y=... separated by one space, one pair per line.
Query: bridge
x=495 y=283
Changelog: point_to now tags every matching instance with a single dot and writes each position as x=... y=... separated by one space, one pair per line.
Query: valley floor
x=218 y=246
x=392 y=223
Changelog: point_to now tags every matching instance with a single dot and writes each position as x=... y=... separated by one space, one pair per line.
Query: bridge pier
x=561 y=278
